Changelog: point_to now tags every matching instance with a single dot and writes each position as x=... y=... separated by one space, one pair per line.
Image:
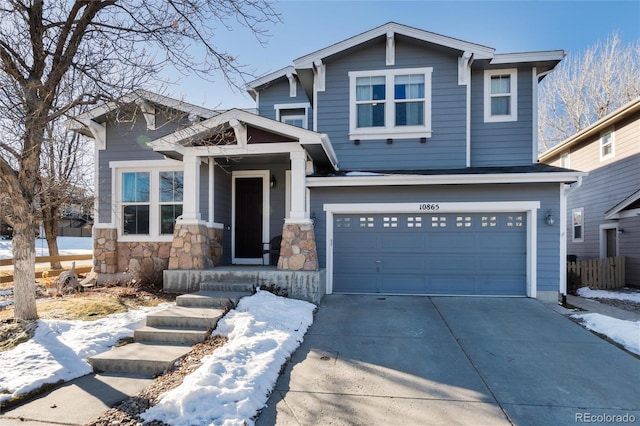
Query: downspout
x=564 y=192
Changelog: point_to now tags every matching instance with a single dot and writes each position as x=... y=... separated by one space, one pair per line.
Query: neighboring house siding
x=503 y=143
x=126 y=142
x=548 y=194
x=447 y=146
x=277 y=92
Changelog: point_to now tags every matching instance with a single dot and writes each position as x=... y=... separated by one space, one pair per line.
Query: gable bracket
x=319 y=70
x=293 y=86
x=464 y=68
x=149 y=113
x=391 y=49
x=240 y=131
x=98 y=131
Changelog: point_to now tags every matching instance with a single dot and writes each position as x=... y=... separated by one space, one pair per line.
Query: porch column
x=191 y=190
x=298 y=185
x=298 y=250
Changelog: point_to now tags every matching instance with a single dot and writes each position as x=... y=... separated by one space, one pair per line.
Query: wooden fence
x=600 y=273
x=48 y=259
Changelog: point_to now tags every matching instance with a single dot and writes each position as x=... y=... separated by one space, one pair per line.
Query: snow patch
x=626 y=333
x=66 y=246
x=235 y=381
x=587 y=293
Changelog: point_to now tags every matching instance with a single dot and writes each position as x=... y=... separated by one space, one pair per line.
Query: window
x=564 y=160
x=578 y=225
x=501 y=95
x=390 y=103
x=151 y=199
x=135 y=203
x=607 y=145
x=296 y=114
x=171 y=188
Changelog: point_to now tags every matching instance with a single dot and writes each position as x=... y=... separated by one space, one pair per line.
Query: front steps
x=168 y=335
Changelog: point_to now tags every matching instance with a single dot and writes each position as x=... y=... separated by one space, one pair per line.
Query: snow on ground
x=66 y=245
x=234 y=382
x=59 y=350
x=587 y=293
x=626 y=333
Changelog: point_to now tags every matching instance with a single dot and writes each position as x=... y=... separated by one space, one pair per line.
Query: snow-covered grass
x=59 y=350
x=234 y=382
x=587 y=293
x=66 y=245
x=626 y=333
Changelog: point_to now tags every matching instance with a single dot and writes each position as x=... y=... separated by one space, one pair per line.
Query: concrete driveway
x=400 y=360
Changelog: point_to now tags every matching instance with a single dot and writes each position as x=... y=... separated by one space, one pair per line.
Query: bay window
x=390 y=103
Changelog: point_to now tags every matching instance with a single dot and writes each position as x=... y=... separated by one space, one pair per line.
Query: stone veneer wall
x=195 y=247
x=298 y=250
x=142 y=259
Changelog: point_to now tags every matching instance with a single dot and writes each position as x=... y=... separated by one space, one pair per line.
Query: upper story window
x=151 y=201
x=607 y=145
x=501 y=95
x=390 y=103
x=296 y=114
x=565 y=160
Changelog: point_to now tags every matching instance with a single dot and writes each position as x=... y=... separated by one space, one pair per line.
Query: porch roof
x=241 y=133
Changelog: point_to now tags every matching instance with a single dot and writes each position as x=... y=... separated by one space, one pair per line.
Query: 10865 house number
x=429 y=207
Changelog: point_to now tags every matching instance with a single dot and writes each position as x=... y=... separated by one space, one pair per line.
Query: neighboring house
x=603 y=211
x=397 y=161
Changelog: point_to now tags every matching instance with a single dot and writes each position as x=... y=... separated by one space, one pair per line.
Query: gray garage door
x=452 y=253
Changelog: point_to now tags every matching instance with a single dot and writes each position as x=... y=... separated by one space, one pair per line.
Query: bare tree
x=119 y=46
x=587 y=86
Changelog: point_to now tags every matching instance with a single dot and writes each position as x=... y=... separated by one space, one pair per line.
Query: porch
x=303 y=285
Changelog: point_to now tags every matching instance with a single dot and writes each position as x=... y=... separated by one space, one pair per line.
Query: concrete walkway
x=446 y=360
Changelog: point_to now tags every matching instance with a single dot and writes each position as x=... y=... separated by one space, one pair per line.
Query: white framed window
x=393 y=103
x=607 y=145
x=148 y=200
x=565 y=160
x=577 y=220
x=296 y=114
x=501 y=95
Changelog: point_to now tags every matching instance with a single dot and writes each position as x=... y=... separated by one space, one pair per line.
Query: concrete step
x=184 y=317
x=170 y=335
x=145 y=359
x=234 y=286
x=211 y=299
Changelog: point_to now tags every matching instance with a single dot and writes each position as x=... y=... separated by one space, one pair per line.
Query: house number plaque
x=428 y=207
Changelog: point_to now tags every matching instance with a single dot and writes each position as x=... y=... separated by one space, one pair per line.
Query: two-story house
x=397 y=161
x=603 y=211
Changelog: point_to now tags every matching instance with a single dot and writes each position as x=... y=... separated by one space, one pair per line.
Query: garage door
x=457 y=254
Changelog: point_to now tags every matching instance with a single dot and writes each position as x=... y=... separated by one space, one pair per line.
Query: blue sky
x=507 y=26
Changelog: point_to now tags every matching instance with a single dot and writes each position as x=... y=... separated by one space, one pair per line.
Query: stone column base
x=298 y=250
x=195 y=247
x=105 y=250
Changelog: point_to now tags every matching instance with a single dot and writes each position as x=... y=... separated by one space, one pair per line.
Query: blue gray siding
x=126 y=141
x=548 y=194
x=507 y=143
x=447 y=146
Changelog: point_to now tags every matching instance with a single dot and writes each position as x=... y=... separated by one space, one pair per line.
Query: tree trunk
x=24 y=261
x=50 y=224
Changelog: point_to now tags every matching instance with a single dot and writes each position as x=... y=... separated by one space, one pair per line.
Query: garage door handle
x=378 y=263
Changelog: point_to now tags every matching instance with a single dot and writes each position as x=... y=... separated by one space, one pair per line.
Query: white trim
x=468 y=112
x=610 y=131
x=412 y=180
x=521 y=57
x=271 y=76
x=266 y=209
x=390 y=130
x=320 y=75
x=534 y=118
x=624 y=214
x=480 y=52
x=297 y=105
x=618 y=211
x=212 y=193
x=287 y=194
x=390 y=57
x=530 y=207
x=513 y=96
x=293 y=86
x=603 y=238
x=566 y=154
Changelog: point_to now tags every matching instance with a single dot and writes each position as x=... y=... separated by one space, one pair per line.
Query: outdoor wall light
x=549 y=218
x=620 y=231
x=272 y=182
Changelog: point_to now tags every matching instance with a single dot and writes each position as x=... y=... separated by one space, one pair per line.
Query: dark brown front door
x=612 y=242
x=248 y=229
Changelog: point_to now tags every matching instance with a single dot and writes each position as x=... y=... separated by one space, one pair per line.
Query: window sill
x=387 y=134
x=500 y=119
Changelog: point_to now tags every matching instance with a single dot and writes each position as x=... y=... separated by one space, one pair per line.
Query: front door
x=612 y=242
x=250 y=206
